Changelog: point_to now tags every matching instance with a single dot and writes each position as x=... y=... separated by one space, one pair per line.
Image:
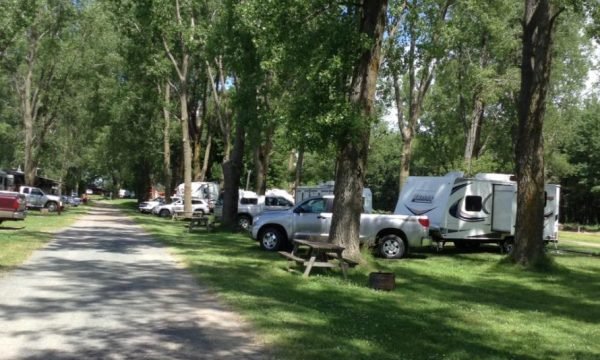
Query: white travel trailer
x=471 y=211
x=307 y=192
x=208 y=191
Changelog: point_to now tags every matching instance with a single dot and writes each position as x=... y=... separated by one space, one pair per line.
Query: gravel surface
x=105 y=290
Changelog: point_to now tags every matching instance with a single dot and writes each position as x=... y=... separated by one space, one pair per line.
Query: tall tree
x=414 y=47
x=353 y=147
x=538 y=29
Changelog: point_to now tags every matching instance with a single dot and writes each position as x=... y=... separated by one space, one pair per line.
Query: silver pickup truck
x=393 y=235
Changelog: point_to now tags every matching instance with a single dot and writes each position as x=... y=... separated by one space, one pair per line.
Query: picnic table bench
x=196 y=220
x=318 y=254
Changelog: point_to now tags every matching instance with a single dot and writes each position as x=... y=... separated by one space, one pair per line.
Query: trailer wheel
x=392 y=247
x=508 y=246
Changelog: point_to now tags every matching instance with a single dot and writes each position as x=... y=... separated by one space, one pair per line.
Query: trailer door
x=504 y=208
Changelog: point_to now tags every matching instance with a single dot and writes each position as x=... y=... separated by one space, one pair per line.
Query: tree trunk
x=187 y=149
x=299 y=165
x=207 y=153
x=30 y=163
x=473 y=141
x=167 y=172
x=535 y=75
x=474 y=134
x=353 y=150
x=231 y=173
x=262 y=158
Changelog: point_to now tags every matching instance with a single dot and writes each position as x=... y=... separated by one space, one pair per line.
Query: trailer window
x=473 y=203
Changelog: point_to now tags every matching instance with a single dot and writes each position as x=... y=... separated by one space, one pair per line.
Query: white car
x=199 y=206
x=148 y=206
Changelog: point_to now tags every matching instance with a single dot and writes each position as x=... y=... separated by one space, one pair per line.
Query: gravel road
x=105 y=290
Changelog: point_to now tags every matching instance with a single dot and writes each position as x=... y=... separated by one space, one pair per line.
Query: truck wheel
x=270 y=238
x=392 y=247
x=51 y=206
x=244 y=222
x=164 y=213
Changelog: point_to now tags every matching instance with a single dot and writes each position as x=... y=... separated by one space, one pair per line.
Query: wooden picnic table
x=319 y=254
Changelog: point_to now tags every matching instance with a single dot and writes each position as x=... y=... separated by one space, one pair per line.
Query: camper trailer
x=307 y=192
x=471 y=211
x=208 y=191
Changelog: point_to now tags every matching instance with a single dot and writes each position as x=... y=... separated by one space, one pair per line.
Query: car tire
x=199 y=212
x=51 y=206
x=164 y=213
x=244 y=222
x=392 y=247
x=271 y=238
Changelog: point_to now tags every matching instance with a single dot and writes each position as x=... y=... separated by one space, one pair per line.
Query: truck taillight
x=17 y=204
x=424 y=221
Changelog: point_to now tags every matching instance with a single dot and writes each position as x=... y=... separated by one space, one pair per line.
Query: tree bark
x=262 y=159
x=299 y=165
x=417 y=90
x=473 y=141
x=474 y=134
x=207 y=153
x=167 y=172
x=536 y=62
x=231 y=173
x=353 y=150
x=29 y=103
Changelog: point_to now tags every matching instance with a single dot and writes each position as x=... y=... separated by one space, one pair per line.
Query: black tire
x=271 y=238
x=244 y=222
x=164 y=213
x=199 y=212
x=392 y=247
x=51 y=206
x=508 y=246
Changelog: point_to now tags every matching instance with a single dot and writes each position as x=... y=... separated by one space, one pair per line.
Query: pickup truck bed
x=12 y=206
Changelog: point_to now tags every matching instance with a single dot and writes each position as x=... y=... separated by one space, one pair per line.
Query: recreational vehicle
x=208 y=191
x=471 y=211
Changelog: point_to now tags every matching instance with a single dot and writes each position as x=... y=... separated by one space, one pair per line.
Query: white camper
x=471 y=211
x=208 y=191
x=307 y=192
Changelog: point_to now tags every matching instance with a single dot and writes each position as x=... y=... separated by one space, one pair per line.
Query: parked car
x=199 y=206
x=70 y=200
x=148 y=206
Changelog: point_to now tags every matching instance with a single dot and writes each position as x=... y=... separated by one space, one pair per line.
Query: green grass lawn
x=584 y=242
x=18 y=239
x=446 y=306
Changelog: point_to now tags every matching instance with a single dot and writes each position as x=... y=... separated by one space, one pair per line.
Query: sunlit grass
x=446 y=306
x=18 y=239
x=583 y=242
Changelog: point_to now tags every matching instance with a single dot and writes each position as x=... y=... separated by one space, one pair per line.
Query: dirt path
x=105 y=290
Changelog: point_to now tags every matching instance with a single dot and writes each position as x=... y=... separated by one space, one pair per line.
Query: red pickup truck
x=12 y=206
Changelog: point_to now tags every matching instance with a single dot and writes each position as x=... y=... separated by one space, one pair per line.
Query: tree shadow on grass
x=381 y=323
